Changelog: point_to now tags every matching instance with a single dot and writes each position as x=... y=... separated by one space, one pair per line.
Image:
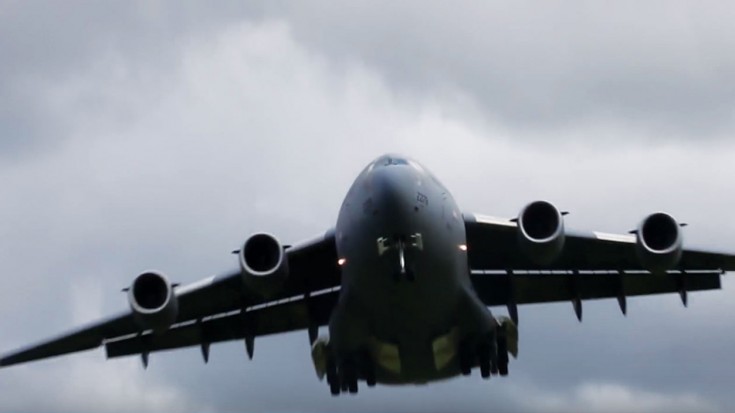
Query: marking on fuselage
x=422 y=199
x=487 y=219
x=604 y=236
x=444 y=348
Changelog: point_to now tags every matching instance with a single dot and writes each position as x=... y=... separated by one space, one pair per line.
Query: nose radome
x=394 y=191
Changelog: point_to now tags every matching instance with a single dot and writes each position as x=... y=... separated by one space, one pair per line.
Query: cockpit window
x=389 y=160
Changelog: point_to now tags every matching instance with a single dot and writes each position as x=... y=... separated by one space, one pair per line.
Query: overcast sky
x=155 y=134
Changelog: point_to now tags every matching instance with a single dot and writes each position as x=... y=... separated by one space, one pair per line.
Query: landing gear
x=490 y=353
x=484 y=358
x=401 y=243
x=502 y=354
x=466 y=358
x=343 y=376
x=368 y=372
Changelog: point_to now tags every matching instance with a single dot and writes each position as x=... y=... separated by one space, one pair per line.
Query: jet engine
x=658 y=242
x=541 y=231
x=263 y=263
x=153 y=302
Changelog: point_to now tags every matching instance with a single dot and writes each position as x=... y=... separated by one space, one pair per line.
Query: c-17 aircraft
x=403 y=282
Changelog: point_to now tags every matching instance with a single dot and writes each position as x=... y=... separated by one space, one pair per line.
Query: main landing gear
x=489 y=352
x=343 y=375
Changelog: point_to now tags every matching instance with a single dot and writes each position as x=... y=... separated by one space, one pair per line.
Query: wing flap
x=295 y=314
x=496 y=288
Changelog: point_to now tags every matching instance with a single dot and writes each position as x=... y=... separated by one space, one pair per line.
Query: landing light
x=341 y=261
x=463 y=247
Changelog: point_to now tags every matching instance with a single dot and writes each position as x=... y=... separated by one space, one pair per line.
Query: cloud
x=608 y=397
x=87 y=382
x=170 y=161
x=663 y=67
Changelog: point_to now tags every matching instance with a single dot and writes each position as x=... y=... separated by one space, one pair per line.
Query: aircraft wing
x=591 y=265
x=215 y=309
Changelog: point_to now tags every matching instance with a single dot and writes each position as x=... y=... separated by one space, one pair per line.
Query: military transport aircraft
x=404 y=281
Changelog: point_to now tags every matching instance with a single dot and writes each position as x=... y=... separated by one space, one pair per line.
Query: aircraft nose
x=394 y=193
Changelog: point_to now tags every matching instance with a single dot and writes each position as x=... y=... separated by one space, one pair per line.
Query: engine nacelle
x=541 y=231
x=659 y=242
x=264 y=264
x=153 y=302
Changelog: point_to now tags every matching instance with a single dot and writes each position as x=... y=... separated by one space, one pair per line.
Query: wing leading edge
x=212 y=305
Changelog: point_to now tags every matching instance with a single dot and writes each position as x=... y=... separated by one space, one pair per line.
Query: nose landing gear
x=401 y=243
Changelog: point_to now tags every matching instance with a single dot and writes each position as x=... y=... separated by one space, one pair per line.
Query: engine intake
x=153 y=302
x=541 y=231
x=263 y=263
x=659 y=242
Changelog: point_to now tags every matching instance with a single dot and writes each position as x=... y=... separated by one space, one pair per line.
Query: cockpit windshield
x=391 y=160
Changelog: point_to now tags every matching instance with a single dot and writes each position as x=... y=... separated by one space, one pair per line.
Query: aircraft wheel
x=334 y=387
x=370 y=376
x=483 y=355
x=465 y=359
x=333 y=377
x=368 y=369
x=503 y=369
x=502 y=355
x=348 y=374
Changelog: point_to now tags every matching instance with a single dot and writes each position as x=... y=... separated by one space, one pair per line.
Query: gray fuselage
x=405 y=276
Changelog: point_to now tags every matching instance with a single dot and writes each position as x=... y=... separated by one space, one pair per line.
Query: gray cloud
x=663 y=66
x=170 y=161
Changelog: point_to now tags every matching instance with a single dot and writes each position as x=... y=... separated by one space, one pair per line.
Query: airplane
x=403 y=281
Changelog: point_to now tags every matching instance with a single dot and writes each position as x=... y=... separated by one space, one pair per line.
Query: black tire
x=368 y=369
x=370 y=378
x=485 y=370
x=503 y=355
x=334 y=387
x=332 y=372
x=484 y=360
x=465 y=364
x=348 y=373
x=466 y=357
